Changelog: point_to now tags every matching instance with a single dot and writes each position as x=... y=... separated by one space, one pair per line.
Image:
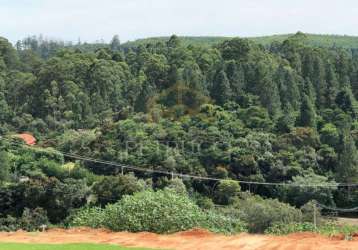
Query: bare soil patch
x=195 y=239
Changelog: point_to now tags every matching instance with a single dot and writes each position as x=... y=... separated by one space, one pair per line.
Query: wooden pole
x=315 y=215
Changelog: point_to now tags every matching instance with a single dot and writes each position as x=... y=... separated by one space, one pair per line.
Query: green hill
x=343 y=41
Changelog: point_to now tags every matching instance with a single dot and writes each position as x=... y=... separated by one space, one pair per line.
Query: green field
x=12 y=246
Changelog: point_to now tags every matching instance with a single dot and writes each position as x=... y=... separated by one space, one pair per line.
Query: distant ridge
x=342 y=41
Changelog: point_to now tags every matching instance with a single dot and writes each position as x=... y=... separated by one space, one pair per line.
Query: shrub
x=164 y=211
x=219 y=223
x=299 y=195
x=227 y=191
x=87 y=217
x=283 y=228
x=308 y=213
x=160 y=212
x=329 y=228
x=111 y=188
x=32 y=220
x=202 y=201
x=9 y=224
x=260 y=214
x=332 y=228
x=177 y=186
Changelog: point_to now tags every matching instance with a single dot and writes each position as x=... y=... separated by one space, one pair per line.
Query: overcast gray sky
x=93 y=20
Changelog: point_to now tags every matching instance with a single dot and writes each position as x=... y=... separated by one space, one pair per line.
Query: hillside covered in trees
x=325 y=41
x=237 y=110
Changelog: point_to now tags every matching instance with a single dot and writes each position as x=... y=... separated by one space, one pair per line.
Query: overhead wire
x=189 y=176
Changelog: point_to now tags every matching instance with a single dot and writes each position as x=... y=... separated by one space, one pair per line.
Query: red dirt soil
x=27 y=138
x=196 y=239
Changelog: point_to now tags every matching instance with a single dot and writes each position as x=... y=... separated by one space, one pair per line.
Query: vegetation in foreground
x=329 y=228
x=161 y=212
x=284 y=113
x=13 y=246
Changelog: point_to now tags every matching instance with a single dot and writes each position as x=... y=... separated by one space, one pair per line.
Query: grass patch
x=14 y=246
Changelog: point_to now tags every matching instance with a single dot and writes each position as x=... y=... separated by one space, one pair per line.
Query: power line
x=347 y=210
x=174 y=174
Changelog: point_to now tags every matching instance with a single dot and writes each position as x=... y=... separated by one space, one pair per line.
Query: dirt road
x=191 y=240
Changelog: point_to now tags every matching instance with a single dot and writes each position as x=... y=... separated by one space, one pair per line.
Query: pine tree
x=173 y=42
x=308 y=90
x=4 y=167
x=354 y=83
x=144 y=97
x=193 y=78
x=288 y=84
x=4 y=109
x=235 y=74
x=307 y=116
x=266 y=88
x=342 y=65
x=347 y=170
x=286 y=121
x=318 y=81
x=221 y=88
x=270 y=97
x=331 y=88
x=346 y=101
x=115 y=44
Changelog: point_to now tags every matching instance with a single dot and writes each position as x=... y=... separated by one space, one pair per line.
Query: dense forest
x=285 y=112
x=325 y=41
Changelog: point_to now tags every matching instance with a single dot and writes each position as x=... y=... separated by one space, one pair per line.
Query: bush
x=300 y=195
x=283 y=228
x=9 y=224
x=219 y=223
x=308 y=213
x=329 y=228
x=260 y=214
x=227 y=191
x=160 y=212
x=111 y=188
x=177 y=186
x=164 y=211
x=202 y=201
x=32 y=220
x=87 y=217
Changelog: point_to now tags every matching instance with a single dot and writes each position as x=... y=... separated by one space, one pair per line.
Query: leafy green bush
x=219 y=223
x=164 y=211
x=88 y=216
x=260 y=214
x=283 y=228
x=177 y=186
x=202 y=201
x=112 y=188
x=9 y=224
x=69 y=170
x=227 y=191
x=300 y=195
x=328 y=228
x=33 y=219
x=160 y=212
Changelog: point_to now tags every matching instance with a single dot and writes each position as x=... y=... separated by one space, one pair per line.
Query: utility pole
x=315 y=215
